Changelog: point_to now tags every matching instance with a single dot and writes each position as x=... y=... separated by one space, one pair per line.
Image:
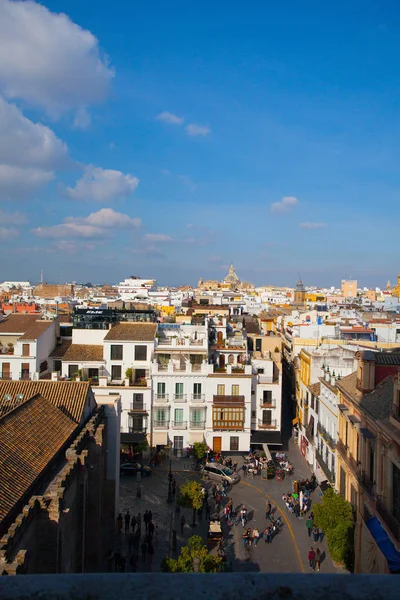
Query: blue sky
x=169 y=139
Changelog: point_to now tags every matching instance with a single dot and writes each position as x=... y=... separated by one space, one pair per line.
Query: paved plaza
x=286 y=554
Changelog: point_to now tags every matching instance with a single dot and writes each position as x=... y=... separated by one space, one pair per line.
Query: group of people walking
x=132 y=526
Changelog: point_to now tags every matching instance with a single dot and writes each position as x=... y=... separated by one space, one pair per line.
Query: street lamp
x=170 y=477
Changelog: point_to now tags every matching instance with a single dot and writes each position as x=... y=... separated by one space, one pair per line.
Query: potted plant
x=10 y=348
x=129 y=374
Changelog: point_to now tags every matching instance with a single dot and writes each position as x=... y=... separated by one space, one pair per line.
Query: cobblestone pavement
x=288 y=551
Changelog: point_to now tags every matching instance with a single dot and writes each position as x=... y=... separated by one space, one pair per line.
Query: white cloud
x=69 y=230
x=311 y=225
x=29 y=153
x=102 y=185
x=194 y=129
x=82 y=119
x=71 y=247
x=95 y=225
x=49 y=61
x=15 y=218
x=284 y=205
x=170 y=118
x=158 y=237
x=107 y=217
x=8 y=233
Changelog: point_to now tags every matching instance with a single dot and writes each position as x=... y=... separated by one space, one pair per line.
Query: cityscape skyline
x=174 y=146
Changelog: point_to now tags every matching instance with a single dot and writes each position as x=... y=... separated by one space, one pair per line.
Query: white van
x=220 y=473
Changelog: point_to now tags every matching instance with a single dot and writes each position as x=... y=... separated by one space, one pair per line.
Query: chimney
x=333 y=379
x=327 y=374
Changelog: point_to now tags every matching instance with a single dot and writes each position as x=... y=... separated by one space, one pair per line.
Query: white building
x=134 y=287
x=26 y=342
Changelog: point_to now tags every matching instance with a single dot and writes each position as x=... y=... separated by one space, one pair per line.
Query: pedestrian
x=234 y=466
x=318 y=559
x=297 y=509
x=244 y=469
x=144 y=551
x=146 y=519
x=119 y=523
x=133 y=523
x=246 y=538
x=268 y=508
x=268 y=534
x=243 y=515
x=139 y=522
x=127 y=519
x=315 y=534
x=309 y=524
x=183 y=523
x=255 y=535
x=311 y=558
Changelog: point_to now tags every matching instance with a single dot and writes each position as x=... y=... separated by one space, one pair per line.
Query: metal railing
x=162 y=398
x=197 y=424
x=6 y=376
x=329 y=474
x=25 y=376
x=179 y=425
x=180 y=397
x=268 y=403
x=198 y=397
x=270 y=425
x=160 y=424
x=327 y=437
x=142 y=430
x=390 y=520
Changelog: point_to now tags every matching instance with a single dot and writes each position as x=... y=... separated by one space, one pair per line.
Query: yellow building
x=396 y=289
x=349 y=288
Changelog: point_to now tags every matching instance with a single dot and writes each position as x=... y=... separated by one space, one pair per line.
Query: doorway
x=217 y=444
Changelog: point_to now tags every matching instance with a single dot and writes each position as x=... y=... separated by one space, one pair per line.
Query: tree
x=334 y=515
x=191 y=496
x=195 y=549
x=199 y=450
x=129 y=373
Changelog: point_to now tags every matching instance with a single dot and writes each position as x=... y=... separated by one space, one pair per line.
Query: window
x=161 y=390
x=161 y=415
x=353 y=496
x=260 y=371
x=140 y=352
x=234 y=443
x=231 y=359
x=267 y=417
x=197 y=390
x=346 y=439
x=116 y=372
x=179 y=391
x=57 y=365
x=253 y=414
x=228 y=418
x=178 y=415
x=221 y=389
x=342 y=487
x=178 y=442
x=196 y=416
x=396 y=493
x=72 y=369
x=138 y=398
x=235 y=390
x=26 y=349
x=116 y=352
x=267 y=397
x=136 y=424
x=312 y=402
x=258 y=345
x=6 y=374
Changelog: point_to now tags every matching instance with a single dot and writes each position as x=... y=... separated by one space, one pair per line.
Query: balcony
x=329 y=474
x=179 y=424
x=6 y=376
x=180 y=397
x=267 y=403
x=197 y=424
x=137 y=407
x=348 y=458
x=138 y=430
x=161 y=398
x=222 y=400
x=228 y=425
x=367 y=484
x=271 y=425
x=326 y=436
x=160 y=424
x=342 y=449
x=198 y=398
x=25 y=376
x=390 y=520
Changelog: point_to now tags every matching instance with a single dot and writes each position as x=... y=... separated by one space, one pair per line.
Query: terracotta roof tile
x=69 y=396
x=84 y=352
x=61 y=349
x=348 y=385
x=30 y=436
x=36 y=330
x=315 y=388
x=132 y=332
x=17 y=323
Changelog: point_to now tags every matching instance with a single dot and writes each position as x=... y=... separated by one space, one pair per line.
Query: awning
x=342 y=407
x=196 y=436
x=384 y=544
x=160 y=438
x=295 y=421
x=132 y=438
x=310 y=428
x=366 y=433
x=272 y=438
x=353 y=419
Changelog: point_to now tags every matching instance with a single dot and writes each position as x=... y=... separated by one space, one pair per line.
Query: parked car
x=220 y=473
x=131 y=468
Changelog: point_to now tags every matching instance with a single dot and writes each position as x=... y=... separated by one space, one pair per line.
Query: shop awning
x=160 y=438
x=272 y=438
x=132 y=438
x=295 y=421
x=384 y=544
x=196 y=436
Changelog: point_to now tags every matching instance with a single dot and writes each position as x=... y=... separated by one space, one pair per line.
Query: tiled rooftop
x=132 y=332
x=84 y=352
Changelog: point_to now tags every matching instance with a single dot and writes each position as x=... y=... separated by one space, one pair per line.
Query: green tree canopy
x=184 y=563
x=334 y=515
x=191 y=495
x=199 y=450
